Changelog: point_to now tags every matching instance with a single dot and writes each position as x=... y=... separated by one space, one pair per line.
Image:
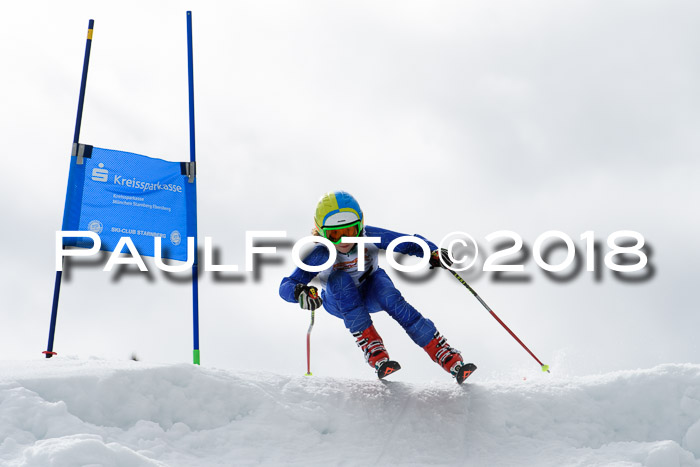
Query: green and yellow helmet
x=338 y=210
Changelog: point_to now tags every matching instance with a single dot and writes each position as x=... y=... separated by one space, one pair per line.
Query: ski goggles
x=335 y=234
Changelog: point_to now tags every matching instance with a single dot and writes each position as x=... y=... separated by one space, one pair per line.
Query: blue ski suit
x=352 y=295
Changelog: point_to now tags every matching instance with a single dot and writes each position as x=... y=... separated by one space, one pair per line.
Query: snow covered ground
x=69 y=412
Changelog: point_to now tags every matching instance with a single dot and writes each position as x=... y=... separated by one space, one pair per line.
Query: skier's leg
x=383 y=292
x=346 y=302
x=420 y=329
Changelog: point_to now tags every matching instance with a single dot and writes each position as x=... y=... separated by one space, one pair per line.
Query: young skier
x=352 y=295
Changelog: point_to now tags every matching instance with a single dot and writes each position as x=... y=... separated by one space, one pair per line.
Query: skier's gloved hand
x=435 y=259
x=307 y=296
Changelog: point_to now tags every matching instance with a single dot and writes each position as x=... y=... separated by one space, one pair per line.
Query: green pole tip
x=545 y=368
x=195 y=358
x=309 y=374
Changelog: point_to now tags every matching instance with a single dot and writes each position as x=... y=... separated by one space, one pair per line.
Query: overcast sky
x=470 y=116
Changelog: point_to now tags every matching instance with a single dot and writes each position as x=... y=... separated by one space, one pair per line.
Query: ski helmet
x=338 y=209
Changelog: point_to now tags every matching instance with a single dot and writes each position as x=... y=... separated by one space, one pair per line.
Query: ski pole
x=308 y=346
x=544 y=367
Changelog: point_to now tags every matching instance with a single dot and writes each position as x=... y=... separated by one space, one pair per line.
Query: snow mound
x=67 y=412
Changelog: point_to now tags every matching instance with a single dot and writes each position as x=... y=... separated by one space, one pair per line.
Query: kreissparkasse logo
x=100 y=174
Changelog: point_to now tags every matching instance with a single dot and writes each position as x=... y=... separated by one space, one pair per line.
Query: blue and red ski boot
x=449 y=358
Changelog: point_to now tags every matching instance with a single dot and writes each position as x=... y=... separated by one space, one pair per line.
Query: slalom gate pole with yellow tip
x=308 y=346
x=76 y=136
x=464 y=283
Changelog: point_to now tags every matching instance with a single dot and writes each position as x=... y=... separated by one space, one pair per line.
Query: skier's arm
x=406 y=248
x=318 y=256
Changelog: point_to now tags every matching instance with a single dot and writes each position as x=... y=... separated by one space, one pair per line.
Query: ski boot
x=375 y=353
x=449 y=358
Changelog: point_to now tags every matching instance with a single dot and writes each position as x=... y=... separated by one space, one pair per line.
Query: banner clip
x=189 y=169
x=81 y=151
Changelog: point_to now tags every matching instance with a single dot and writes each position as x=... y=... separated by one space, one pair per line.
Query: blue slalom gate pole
x=195 y=278
x=81 y=99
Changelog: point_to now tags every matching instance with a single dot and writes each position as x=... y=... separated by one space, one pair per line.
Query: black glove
x=435 y=259
x=307 y=296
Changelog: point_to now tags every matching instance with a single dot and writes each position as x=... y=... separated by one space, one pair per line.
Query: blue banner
x=120 y=194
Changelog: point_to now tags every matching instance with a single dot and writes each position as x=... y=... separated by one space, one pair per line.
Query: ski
x=387 y=368
x=464 y=371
